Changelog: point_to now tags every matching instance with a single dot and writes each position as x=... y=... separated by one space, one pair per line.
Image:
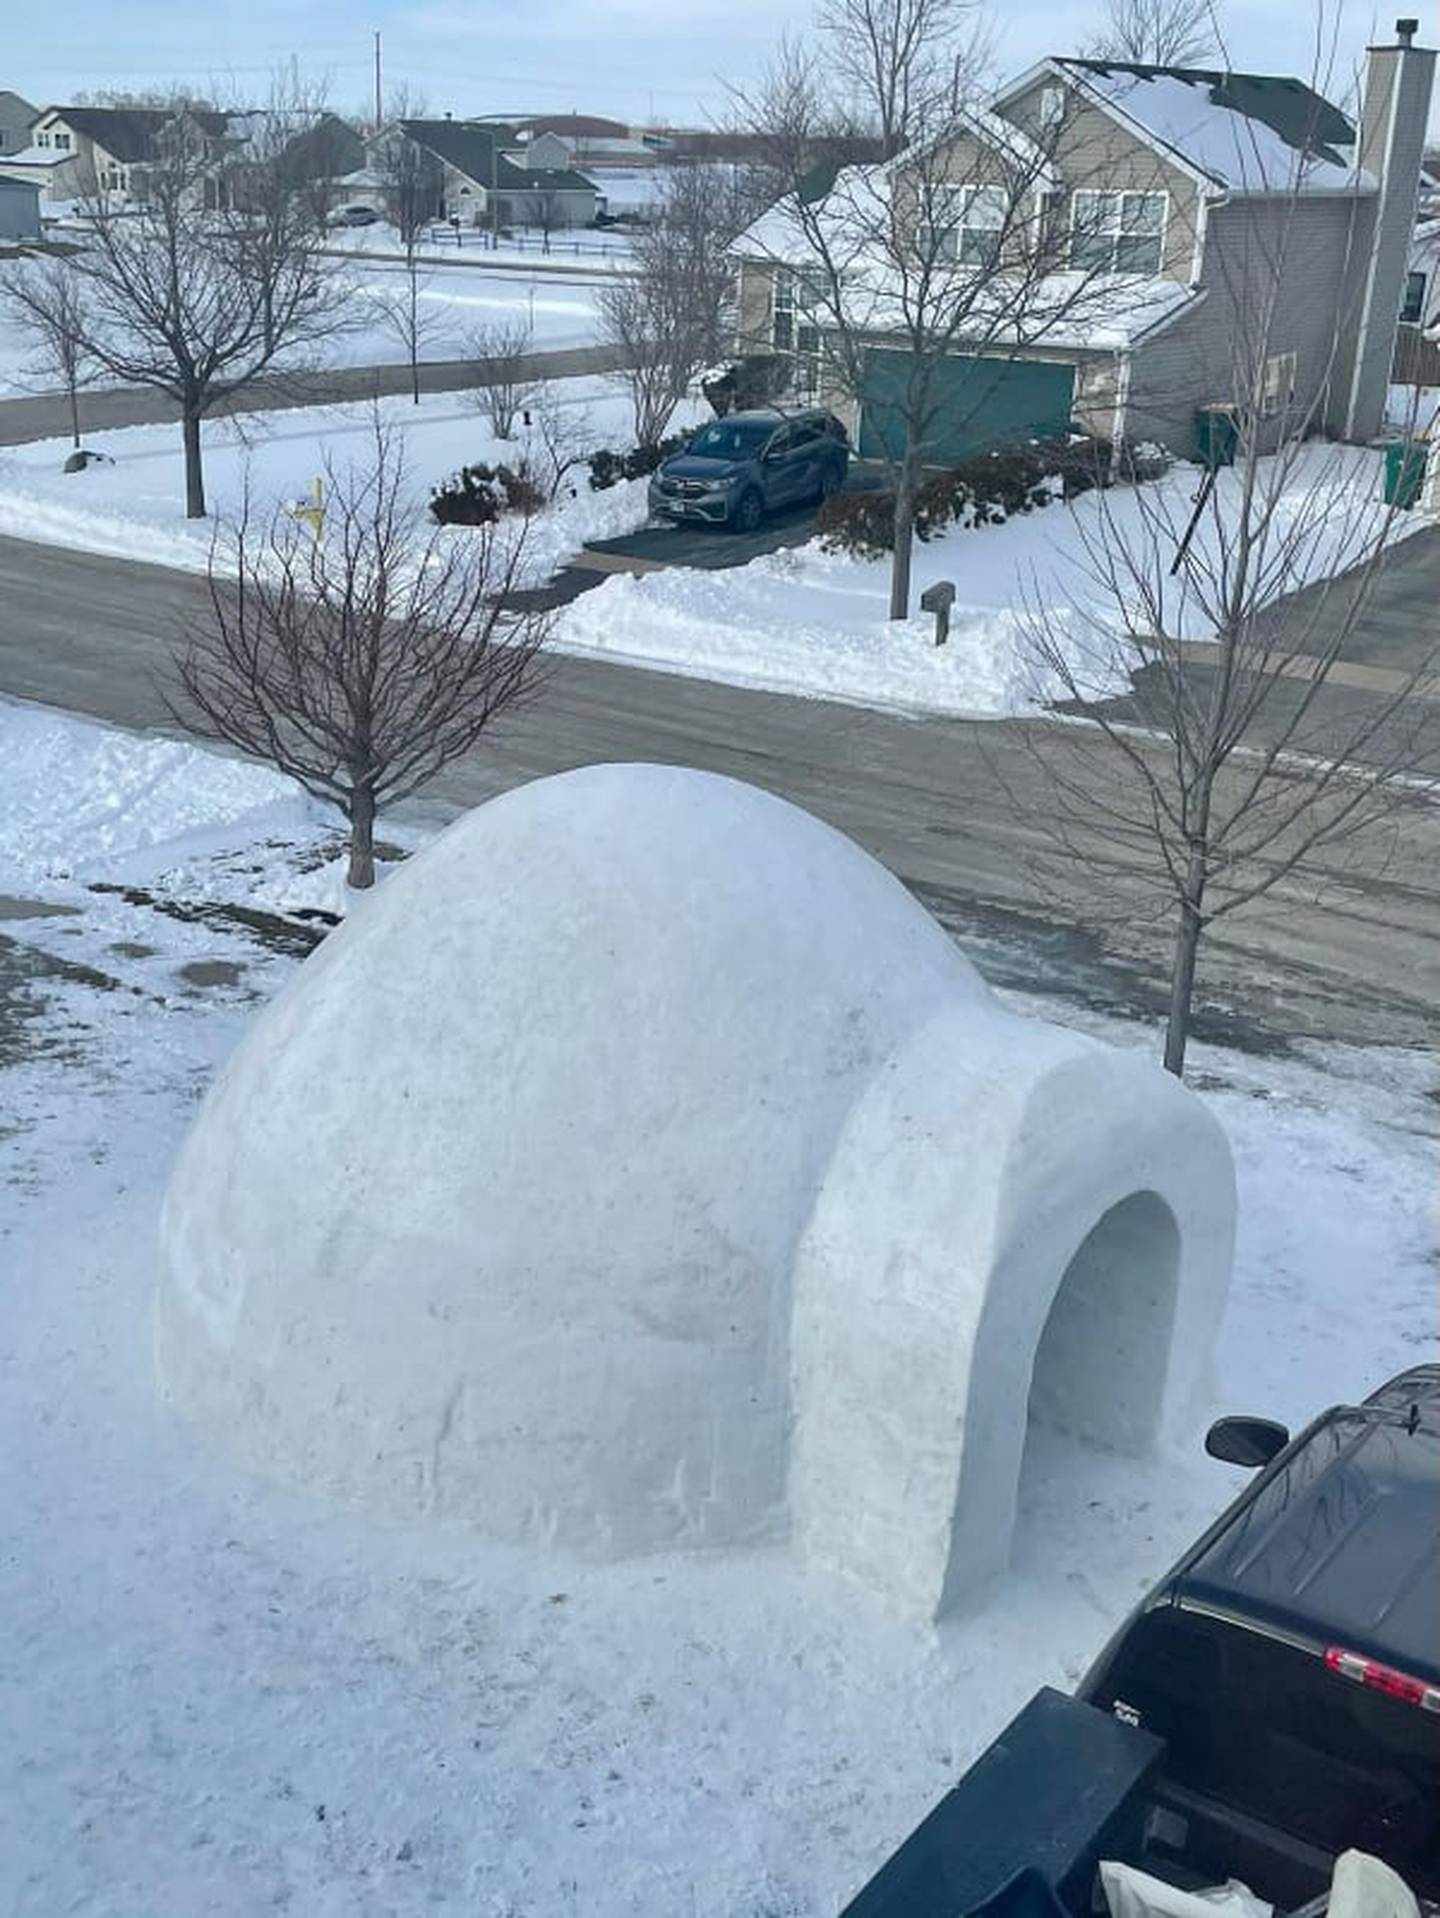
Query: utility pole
x=379 y=110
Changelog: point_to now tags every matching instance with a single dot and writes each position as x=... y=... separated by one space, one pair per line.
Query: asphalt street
x=959 y=810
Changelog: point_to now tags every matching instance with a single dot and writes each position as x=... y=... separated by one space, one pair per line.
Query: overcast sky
x=632 y=59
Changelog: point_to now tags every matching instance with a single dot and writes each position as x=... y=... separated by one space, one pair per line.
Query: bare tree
x=1161 y=33
x=557 y=438
x=178 y=295
x=500 y=355
x=896 y=59
x=1235 y=762
x=412 y=183
x=666 y=314
x=900 y=266
x=44 y=299
x=361 y=659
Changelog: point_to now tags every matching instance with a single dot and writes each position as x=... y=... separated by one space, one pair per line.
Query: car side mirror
x=1246 y=1441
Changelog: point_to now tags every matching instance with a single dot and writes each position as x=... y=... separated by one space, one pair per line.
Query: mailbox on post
x=938 y=599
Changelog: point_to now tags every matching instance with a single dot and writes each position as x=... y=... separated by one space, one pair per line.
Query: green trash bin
x=1216 y=436
x=1404 y=471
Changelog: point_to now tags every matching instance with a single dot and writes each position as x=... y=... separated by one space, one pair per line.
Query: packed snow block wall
x=642 y=1168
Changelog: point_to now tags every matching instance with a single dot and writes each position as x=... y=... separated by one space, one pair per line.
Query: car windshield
x=732 y=439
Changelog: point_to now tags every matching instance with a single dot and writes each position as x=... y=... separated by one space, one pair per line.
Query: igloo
x=641 y=1168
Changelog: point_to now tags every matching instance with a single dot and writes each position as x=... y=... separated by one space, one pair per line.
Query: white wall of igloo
x=642 y=1168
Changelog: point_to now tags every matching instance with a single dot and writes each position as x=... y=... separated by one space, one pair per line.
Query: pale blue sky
x=634 y=59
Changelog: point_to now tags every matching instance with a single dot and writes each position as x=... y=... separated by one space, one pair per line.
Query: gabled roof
x=471 y=150
x=128 y=133
x=1244 y=132
x=539 y=179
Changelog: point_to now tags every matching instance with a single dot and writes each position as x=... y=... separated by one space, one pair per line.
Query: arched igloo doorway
x=1100 y=1363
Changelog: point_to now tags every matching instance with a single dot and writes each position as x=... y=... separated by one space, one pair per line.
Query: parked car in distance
x=354 y=216
x=1273 y=1702
x=745 y=465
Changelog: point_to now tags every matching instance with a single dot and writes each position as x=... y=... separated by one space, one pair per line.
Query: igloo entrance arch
x=660 y=1176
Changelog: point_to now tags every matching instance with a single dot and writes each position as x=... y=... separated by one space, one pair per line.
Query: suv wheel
x=749 y=510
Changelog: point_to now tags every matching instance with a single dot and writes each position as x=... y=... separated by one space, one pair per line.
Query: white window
x=1117 y=232
x=1413 y=310
x=966 y=225
x=793 y=322
x=42 y=139
x=1279 y=388
x=62 y=140
x=1052 y=107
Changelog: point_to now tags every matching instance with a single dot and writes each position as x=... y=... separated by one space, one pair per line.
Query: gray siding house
x=1198 y=205
x=17 y=116
x=19 y=211
x=475 y=183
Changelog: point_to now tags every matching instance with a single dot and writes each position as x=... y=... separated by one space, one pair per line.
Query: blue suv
x=738 y=468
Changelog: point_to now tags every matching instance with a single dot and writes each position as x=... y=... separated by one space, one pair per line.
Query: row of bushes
x=985 y=491
x=608 y=468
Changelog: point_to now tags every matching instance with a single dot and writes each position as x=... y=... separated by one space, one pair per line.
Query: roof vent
x=1406 y=30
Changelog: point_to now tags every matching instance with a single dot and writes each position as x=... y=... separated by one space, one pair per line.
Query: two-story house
x=1192 y=211
x=470 y=178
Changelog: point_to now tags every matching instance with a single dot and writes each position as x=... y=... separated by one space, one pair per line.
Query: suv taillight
x=1383 y=1678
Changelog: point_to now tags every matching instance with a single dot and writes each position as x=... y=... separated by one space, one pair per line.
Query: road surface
x=957 y=809
x=47 y=415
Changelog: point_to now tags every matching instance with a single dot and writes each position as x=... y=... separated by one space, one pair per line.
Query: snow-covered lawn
x=223 y=1698
x=135 y=507
x=806 y=621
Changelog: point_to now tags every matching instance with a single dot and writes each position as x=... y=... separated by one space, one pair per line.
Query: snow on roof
x=627 y=186
x=37 y=156
x=1245 y=132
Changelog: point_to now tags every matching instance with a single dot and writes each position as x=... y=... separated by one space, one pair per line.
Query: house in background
x=75 y=151
x=19 y=211
x=474 y=181
x=1171 y=189
x=17 y=116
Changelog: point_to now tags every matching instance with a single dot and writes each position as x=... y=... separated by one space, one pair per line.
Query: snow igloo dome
x=642 y=1168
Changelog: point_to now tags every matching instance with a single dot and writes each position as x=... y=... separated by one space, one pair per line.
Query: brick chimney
x=1393 y=119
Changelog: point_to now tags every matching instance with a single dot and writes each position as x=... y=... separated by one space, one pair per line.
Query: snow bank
x=614 y=1149
x=79 y=797
x=810 y=622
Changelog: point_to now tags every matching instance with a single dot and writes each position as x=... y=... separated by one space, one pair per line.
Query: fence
x=1417 y=359
x=562 y=244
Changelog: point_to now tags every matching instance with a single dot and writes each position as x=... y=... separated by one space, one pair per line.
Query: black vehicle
x=740 y=467
x=1274 y=1701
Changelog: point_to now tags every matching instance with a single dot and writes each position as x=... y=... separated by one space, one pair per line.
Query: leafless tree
x=361 y=660
x=1236 y=760
x=1161 y=33
x=44 y=299
x=500 y=354
x=557 y=439
x=412 y=183
x=896 y=60
x=901 y=256
x=667 y=314
x=176 y=295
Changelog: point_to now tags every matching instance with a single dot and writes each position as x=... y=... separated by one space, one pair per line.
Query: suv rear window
x=1263 y=1726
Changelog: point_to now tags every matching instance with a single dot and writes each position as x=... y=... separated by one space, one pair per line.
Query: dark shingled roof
x=471 y=150
x=128 y=133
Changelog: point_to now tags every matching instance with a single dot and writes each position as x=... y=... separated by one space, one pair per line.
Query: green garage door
x=975 y=404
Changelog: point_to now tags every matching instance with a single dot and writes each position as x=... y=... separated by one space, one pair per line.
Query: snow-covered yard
x=134 y=508
x=806 y=621
x=220 y=1697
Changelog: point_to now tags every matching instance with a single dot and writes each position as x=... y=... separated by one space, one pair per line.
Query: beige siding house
x=1173 y=193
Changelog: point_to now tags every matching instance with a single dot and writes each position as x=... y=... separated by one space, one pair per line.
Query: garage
x=977 y=403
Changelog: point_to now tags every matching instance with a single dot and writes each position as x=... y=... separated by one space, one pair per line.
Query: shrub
x=756 y=379
x=478 y=495
x=608 y=468
x=858 y=523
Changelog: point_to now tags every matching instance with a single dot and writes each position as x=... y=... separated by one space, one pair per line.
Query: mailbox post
x=938 y=599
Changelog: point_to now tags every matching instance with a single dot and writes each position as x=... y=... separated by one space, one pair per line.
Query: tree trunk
x=1182 y=967
x=194 y=473
x=904 y=538
x=74 y=413
x=362 y=839
x=414 y=337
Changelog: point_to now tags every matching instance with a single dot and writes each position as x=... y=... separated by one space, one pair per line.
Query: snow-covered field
x=555 y=299
x=806 y=621
x=220 y=1697
x=135 y=507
